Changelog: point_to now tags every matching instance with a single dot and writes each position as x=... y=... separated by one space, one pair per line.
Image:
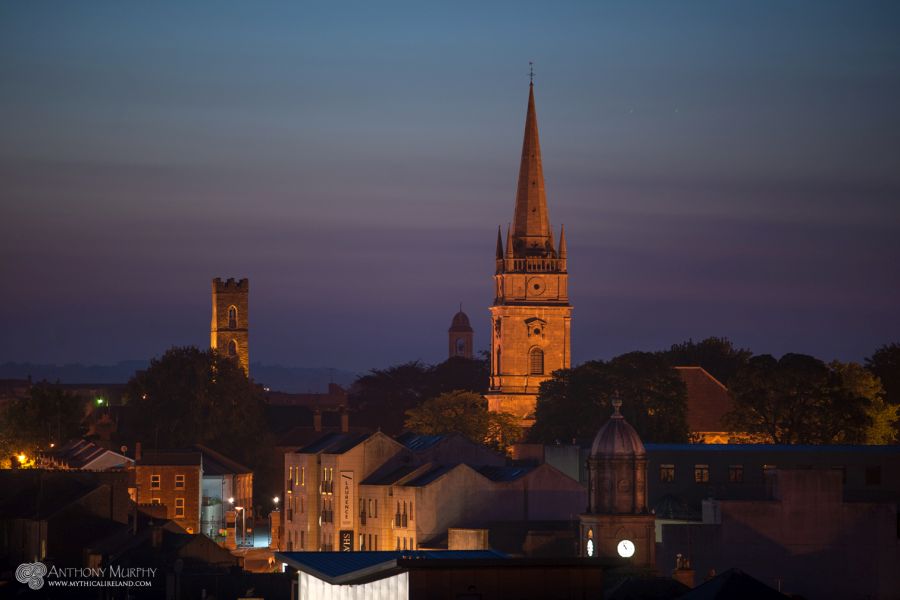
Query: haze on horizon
x=727 y=170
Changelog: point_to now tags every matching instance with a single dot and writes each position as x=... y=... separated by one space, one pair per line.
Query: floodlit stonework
x=531 y=315
x=230 y=328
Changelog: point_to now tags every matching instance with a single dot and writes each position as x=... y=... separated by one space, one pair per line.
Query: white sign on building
x=346 y=499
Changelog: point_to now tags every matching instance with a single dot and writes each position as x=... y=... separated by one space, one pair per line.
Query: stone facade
x=531 y=314
x=177 y=487
x=229 y=331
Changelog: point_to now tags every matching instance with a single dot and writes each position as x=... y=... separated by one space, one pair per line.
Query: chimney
x=683 y=572
x=317 y=420
x=345 y=420
x=137 y=452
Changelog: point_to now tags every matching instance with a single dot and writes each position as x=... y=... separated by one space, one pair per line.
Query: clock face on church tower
x=625 y=548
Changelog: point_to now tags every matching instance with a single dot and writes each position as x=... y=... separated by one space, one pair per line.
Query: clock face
x=590 y=547
x=626 y=548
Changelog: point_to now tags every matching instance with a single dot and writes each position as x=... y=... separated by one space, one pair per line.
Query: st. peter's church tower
x=531 y=314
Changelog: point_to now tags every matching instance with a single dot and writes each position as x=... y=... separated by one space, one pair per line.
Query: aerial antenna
x=531 y=72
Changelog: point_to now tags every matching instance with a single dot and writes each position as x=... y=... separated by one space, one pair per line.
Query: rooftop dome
x=617 y=437
x=460 y=322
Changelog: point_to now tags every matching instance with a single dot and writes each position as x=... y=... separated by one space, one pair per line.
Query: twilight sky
x=727 y=169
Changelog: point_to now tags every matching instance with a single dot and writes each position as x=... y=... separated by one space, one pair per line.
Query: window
x=736 y=474
x=179 y=508
x=154 y=482
x=232 y=317
x=873 y=475
x=302 y=539
x=667 y=473
x=536 y=361
x=232 y=348
x=410 y=511
x=302 y=475
x=179 y=482
x=155 y=501
x=375 y=542
x=376 y=507
x=362 y=542
x=769 y=470
x=701 y=473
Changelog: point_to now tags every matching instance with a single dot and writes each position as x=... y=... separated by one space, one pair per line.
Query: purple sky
x=729 y=170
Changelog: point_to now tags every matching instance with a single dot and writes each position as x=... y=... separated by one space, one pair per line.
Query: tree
x=381 y=397
x=717 y=355
x=191 y=396
x=798 y=399
x=466 y=413
x=574 y=403
x=885 y=364
x=48 y=415
x=859 y=382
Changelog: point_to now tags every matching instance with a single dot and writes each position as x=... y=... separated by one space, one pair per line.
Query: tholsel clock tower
x=531 y=314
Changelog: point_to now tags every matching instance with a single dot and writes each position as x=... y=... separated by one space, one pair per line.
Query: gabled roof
x=500 y=474
x=433 y=474
x=417 y=442
x=335 y=443
x=391 y=477
x=78 y=453
x=215 y=463
x=733 y=584
x=708 y=400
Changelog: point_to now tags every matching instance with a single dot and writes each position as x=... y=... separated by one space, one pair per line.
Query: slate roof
x=335 y=443
x=432 y=475
x=417 y=442
x=78 y=452
x=733 y=584
x=390 y=477
x=504 y=473
x=215 y=463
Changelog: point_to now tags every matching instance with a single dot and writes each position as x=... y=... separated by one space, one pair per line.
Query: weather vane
x=531 y=71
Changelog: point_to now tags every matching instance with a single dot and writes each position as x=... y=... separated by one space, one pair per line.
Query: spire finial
x=460 y=307
x=531 y=72
x=617 y=404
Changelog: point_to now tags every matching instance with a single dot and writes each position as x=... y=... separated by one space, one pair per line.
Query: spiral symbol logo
x=32 y=574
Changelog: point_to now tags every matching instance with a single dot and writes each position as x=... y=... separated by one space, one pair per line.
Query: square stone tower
x=229 y=331
x=531 y=315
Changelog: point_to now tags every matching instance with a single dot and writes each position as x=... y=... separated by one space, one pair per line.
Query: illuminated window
x=154 y=482
x=302 y=475
x=701 y=473
x=179 y=508
x=179 y=482
x=536 y=361
x=155 y=501
x=736 y=474
x=232 y=317
x=667 y=473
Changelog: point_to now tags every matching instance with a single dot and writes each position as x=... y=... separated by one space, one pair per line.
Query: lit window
x=179 y=482
x=701 y=473
x=154 y=482
x=179 y=508
x=536 y=361
x=667 y=473
x=155 y=501
x=232 y=317
x=302 y=475
x=736 y=474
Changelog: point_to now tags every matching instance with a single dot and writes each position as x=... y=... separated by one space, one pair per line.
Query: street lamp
x=275 y=500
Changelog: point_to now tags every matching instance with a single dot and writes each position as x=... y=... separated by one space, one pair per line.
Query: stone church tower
x=460 y=336
x=229 y=332
x=531 y=314
x=617 y=522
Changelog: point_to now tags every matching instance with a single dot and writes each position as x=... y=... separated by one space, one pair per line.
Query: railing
x=534 y=264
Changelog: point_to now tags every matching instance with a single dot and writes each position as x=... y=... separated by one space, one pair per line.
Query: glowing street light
x=99 y=401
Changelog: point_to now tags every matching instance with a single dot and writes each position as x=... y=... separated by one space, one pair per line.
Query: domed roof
x=617 y=437
x=460 y=322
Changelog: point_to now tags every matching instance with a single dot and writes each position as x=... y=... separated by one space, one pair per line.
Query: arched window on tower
x=232 y=348
x=460 y=346
x=232 y=317
x=536 y=361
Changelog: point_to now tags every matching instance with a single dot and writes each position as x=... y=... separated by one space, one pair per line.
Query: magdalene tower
x=531 y=314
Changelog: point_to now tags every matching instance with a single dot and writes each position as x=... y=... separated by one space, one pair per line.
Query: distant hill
x=275 y=377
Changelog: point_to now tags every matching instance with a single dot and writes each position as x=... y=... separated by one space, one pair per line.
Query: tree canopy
x=465 y=413
x=190 y=396
x=885 y=364
x=381 y=397
x=798 y=399
x=48 y=415
x=717 y=356
x=574 y=403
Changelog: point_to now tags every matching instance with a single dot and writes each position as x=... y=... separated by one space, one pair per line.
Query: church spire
x=531 y=224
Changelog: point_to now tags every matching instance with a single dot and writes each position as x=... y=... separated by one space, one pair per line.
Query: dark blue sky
x=726 y=169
